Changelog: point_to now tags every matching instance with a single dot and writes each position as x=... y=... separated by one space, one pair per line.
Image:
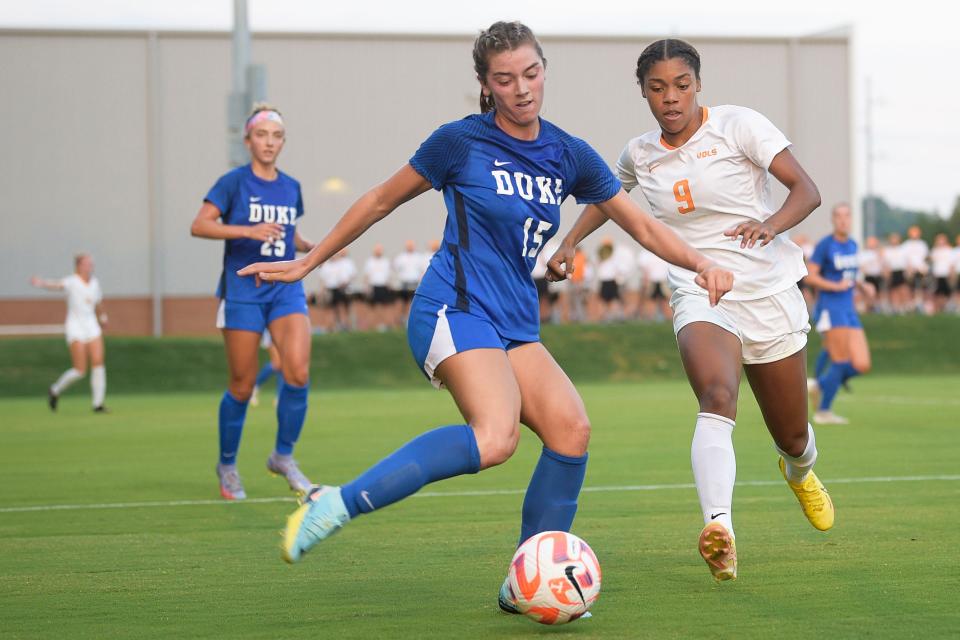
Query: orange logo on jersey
x=706 y=154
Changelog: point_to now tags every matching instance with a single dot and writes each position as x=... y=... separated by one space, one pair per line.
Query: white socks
x=714 y=467
x=98 y=385
x=66 y=379
x=798 y=468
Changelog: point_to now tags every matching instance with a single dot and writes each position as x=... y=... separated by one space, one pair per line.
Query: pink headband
x=262 y=116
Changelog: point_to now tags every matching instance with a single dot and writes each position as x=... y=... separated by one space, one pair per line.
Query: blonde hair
x=262 y=106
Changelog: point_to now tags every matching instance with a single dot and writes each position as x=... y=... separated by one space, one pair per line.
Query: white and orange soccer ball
x=554 y=577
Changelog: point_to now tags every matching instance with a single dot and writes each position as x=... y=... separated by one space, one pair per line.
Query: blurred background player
x=895 y=274
x=408 y=268
x=376 y=273
x=545 y=295
x=656 y=291
x=474 y=325
x=608 y=275
x=833 y=272
x=871 y=265
x=268 y=370
x=84 y=335
x=916 y=252
x=710 y=183
x=944 y=270
x=255 y=209
x=337 y=277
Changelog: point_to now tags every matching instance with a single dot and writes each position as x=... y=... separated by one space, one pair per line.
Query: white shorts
x=82 y=330
x=769 y=329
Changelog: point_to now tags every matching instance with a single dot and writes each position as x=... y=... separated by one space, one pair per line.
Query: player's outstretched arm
x=560 y=264
x=49 y=285
x=372 y=207
x=662 y=241
x=803 y=198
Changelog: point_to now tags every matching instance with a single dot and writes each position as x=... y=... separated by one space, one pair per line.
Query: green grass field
x=148 y=550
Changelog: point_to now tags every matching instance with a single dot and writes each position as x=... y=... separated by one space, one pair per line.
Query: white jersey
x=942 y=260
x=337 y=273
x=377 y=271
x=714 y=182
x=870 y=264
x=409 y=267
x=894 y=257
x=654 y=268
x=82 y=298
x=916 y=252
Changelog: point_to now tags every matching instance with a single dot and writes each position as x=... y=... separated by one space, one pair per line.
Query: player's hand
x=560 y=264
x=715 y=280
x=283 y=271
x=844 y=285
x=36 y=281
x=752 y=233
x=266 y=231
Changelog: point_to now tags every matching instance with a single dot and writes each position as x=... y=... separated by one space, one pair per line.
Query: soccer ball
x=554 y=577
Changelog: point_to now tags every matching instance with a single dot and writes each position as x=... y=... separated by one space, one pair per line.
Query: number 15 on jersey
x=537 y=244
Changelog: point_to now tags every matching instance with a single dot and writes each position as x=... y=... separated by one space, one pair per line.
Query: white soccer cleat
x=828 y=417
x=287 y=467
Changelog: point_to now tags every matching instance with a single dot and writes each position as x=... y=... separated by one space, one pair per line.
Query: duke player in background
x=705 y=173
x=833 y=272
x=255 y=209
x=474 y=325
x=84 y=336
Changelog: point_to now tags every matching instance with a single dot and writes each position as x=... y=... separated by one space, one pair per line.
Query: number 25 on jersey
x=681 y=191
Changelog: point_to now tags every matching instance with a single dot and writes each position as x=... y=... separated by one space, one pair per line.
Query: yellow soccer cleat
x=813 y=497
x=719 y=549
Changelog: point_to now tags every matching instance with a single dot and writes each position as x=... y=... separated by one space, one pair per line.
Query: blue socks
x=265 y=374
x=291 y=412
x=823 y=361
x=232 y=414
x=551 y=500
x=435 y=455
x=830 y=382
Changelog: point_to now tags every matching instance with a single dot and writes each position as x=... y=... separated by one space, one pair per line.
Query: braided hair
x=665 y=50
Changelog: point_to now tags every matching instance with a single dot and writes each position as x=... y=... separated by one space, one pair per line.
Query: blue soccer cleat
x=322 y=514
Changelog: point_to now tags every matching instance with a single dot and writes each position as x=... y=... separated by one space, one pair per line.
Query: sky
x=907 y=50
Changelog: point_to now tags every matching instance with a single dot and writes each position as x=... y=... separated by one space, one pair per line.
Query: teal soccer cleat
x=322 y=514
x=506 y=601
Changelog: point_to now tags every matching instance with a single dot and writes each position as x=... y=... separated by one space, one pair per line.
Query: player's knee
x=81 y=370
x=298 y=377
x=576 y=438
x=241 y=390
x=497 y=439
x=862 y=365
x=719 y=399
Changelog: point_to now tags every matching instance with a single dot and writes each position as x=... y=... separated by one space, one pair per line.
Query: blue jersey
x=837 y=261
x=247 y=200
x=503 y=200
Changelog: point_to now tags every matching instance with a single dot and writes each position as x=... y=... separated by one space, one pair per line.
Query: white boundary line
x=462 y=494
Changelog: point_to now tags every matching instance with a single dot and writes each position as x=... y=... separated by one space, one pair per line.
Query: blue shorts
x=826 y=318
x=257 y=316
x=435 y=332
